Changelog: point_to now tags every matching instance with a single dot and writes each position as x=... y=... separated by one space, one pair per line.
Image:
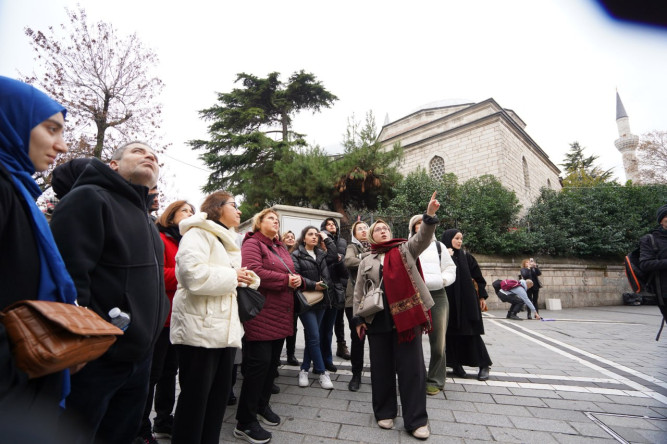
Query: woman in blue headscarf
x=31 y=137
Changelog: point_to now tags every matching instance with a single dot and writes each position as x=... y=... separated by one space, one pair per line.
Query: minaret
x=627 y=142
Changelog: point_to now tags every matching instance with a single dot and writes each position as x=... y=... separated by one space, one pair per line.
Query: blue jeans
x=311 y=321
x=519 y=291
x=107 y=401
x=326 y=333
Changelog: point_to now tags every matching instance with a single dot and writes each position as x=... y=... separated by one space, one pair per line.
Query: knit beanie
x=413 y=222
x=662 y=213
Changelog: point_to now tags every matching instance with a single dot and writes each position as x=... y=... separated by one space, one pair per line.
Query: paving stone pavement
x=586 y=375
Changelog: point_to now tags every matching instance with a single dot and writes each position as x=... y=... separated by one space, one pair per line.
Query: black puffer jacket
x=315 y=270
x=114 y=254
x=337 y=269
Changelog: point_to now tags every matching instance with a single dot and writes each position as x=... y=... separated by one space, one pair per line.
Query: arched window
x=548 y=184
x=526 y=176
x=437 y=167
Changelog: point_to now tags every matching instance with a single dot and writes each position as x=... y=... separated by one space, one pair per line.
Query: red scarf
x=405 y=304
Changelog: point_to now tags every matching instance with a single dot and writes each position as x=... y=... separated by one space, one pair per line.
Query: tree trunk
x=340 y=208
x=99 y=144
x=283 y=120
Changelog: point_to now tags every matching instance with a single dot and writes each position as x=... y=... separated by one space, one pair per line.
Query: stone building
x=470 y=140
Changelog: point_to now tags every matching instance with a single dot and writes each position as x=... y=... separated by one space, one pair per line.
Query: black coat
x=337 y=269
x=465 y=315
x=315 y=270
x=19 y=270
x=652 y=261
x=114 y=254
x=19 y=256
x=532 y=274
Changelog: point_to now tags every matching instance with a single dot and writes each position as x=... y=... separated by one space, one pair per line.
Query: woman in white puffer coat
x=205 y=324
x=439 y=272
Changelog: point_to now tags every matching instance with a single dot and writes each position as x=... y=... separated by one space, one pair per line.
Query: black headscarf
x=464 y=302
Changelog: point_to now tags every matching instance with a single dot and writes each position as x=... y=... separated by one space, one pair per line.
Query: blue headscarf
x=23 y=107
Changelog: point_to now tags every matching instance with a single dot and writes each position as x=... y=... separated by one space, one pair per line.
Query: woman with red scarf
x=395 y=333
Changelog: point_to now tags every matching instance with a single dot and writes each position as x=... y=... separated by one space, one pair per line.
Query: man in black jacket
x=114 y=254
x=655 y=259
x=339 y=275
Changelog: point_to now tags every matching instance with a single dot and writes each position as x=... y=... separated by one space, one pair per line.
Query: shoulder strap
x=281 y=260
x=439 y=247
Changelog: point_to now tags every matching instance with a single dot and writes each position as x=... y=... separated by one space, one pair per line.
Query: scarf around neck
x=171 y=231
x=405 y=303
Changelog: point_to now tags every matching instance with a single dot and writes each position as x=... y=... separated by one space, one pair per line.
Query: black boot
x=342 y=351
x=459 y=371
x=353 y=386
x=528 y=316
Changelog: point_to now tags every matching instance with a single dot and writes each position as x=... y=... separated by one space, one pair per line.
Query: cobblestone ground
x=585 y=375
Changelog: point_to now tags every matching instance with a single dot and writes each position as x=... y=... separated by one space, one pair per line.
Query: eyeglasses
x=229 y=203
x=380 y=229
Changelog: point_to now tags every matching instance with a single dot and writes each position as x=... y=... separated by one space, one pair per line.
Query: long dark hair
x=300 y=240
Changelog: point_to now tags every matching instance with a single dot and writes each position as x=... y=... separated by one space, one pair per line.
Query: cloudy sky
x=556 y=63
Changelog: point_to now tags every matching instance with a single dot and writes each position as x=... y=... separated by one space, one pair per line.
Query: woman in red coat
x=165 y=362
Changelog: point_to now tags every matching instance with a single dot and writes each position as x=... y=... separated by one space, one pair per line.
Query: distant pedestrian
x=651 y=260
x=531 y=271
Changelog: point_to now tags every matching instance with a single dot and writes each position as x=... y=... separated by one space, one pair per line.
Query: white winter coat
x=205 y=311
x=438 y=272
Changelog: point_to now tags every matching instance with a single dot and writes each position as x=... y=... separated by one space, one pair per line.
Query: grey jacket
x=369 y=267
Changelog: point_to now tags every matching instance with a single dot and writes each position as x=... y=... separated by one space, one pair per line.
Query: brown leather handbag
x=48 y=337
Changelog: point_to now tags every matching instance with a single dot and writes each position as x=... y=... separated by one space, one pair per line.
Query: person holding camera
x=531 y=271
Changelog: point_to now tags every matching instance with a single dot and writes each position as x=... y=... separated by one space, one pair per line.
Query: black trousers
x=388 y=359
x=162 y=383
x=339 y=326
x=165 y=389
x=205 y=378
x=356 y=345
x=260 y=360
x=533 y=294
x=290 y=341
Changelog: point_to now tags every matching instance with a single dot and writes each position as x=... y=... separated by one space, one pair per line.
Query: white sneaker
x=303 y=379
x=325 y=381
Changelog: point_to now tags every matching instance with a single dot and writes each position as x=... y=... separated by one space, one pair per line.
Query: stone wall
x=576 y=283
